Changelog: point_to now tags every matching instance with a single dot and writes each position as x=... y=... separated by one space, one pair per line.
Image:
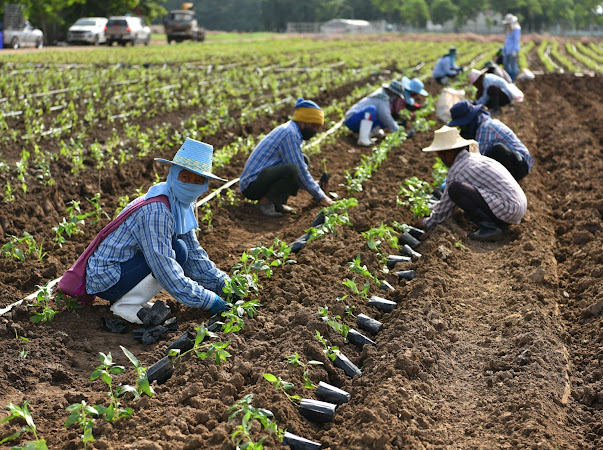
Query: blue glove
x=219 y=305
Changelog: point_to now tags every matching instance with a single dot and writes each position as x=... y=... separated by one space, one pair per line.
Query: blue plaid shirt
x=150 y=229
x=496 y=185
x=281 y=146
x=493 y=131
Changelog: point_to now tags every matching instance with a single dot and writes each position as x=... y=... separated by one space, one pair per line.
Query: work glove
x=218 y=306
x=324 y=181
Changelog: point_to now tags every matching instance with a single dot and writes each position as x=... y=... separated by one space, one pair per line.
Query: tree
x=414 y=12
x=442 y=11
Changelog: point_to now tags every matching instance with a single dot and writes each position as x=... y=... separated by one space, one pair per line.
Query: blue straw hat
x=194 y=156
x=415 y=85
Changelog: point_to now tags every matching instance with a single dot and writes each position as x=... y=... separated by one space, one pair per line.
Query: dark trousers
x=136 y=269
x=513 y=162
x=277 y=183
x=468 y=198
x=497 y=98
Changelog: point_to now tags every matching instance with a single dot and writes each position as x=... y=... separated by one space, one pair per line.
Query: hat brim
x=467 y=118
x=423 y=92
x=458 y=144
x=481 y=73
x=198 y=172
x=406 y=83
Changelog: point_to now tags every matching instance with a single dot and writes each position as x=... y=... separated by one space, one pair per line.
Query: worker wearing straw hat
x=479 y=185
x=512 y=45
x=156 y=247
x=276 y=168
x=381 y=109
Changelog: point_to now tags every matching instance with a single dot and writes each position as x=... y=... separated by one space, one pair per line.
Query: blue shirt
x=489 y=79
x=150 y=230
x=512 y=41
x=493 y=131
x=445 y=67
x=384 y=111
x=281 y=146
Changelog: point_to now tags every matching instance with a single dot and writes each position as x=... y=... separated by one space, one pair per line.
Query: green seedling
x=208 y=215
x=334 y=323
x=9 y=195
x=19 y=248
x=30 y=427
x=44 y=301
x=282 y=385
x=85 y=416
x=241 y=437
x=331 y=351
x=142 y=382
x=439 y=173
x=336 y=214
x=416 y=194
x=295 y=361
x=72 y=226
x=352 y=286
x=98 y=210
x=105 y=372
x=204 y=350
x=234 y=316
x=356 y=266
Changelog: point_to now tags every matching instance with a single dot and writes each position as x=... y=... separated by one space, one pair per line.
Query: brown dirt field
x=492 y=345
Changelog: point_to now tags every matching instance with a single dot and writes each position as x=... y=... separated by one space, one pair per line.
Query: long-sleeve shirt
x=493 y=80
x=493 y=131
x=384 y=113
x=496 y=185
x=512 y=41
x=281 y=146
x=150 y=230
x=445 y=67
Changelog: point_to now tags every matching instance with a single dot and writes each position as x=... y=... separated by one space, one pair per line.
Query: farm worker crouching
x=495 y=69
x=512 y=45
x=479 y=185
x=495 y=139
x=276 y=168
x=156 y=247
x=381 y=109
x=445 y=68
x=493 y=91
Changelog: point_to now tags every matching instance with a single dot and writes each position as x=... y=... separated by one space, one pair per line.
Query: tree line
x=55 y=16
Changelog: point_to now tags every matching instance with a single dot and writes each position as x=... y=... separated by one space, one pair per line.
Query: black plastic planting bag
x=300 y=243
x=358 y=339
x=382 y=304
x=329 y=393
x=183 y=343
x=299 y=443
x=406 y=275
x=350 y=369
x=407 y=238
x=113 y=325
x=155 y=315
x=161 y=371
x=368 y=324
x=317 y=411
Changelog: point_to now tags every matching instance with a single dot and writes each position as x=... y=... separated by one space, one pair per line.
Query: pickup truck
x=28 y=36
x=181 y=25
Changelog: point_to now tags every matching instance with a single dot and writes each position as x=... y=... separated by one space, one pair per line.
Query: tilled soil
x=492 y=345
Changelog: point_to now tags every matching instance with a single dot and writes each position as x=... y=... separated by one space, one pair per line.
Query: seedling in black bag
x=356 y=266
x=295 y=361
x=341 y=328
x=204 y=350
x=241 y=437
x=282 y=385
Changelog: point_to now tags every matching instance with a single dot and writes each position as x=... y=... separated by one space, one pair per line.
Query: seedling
x=208 y=215
x=352 y=286
x=375 y=236
x=339 y=327
x=336 y=214
x=23 y=413
x=439 y=173
x=234 y=316
x=22 y=353
x=43 y=300
x=356 y=267
x=19 y=248
x=331 y=351
x=105 y=372
x=85 y=416
x=142 y=382
x=241 y=437
x=416 y=194
x=295 y=361
x=98 y=210
x=282 y=385
x=72 y=226
x=204 y=350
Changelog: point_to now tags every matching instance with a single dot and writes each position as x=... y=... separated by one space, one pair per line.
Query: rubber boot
x=138 y=297
x=489 y=230
x=364 y=134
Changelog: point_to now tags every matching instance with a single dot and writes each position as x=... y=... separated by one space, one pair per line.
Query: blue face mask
x=188 y=193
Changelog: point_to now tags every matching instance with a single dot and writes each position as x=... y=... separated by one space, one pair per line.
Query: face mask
x=307 y=133
x=188 y=193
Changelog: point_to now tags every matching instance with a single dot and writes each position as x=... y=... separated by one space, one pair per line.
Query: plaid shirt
x=496 y=185
x=493 y=131
x=281 y=146
x=150 y=230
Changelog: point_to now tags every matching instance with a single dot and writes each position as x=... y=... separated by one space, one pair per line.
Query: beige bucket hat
x=448 y=138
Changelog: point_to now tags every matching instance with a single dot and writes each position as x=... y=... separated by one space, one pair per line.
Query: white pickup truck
x=28 y=36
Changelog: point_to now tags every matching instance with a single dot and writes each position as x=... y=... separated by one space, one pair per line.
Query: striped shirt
x=493 y=131
x=496 y=185
x=150 y=230
x=281 y=146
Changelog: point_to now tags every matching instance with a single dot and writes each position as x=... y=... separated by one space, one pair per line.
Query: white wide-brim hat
x=447 y=138
x=475 y=74
x=194 y=156
x=509 y=18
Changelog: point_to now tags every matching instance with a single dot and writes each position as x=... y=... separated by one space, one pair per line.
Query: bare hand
x=326 y=201
x=419 y=222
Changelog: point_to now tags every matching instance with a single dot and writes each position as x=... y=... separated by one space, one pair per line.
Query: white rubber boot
x=138 y=297
x=364 y=133
x=377 y=132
